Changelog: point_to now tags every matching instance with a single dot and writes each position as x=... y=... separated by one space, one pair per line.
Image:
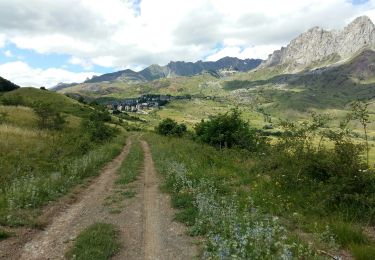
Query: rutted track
x=145 y=223
x=53 y=242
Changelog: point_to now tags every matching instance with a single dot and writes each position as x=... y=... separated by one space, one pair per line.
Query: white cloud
x=8 y=53
x=22 y=74
x=2 y=40
x=116 y=34
x=85 y=64
x=105 y=61
x=112 y=33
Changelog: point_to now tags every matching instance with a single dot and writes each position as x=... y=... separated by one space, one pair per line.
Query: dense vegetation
x=294 y=178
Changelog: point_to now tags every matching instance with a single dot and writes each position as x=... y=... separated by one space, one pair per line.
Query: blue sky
x=39 y=46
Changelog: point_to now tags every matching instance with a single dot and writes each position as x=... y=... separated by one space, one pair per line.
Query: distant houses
x=142 y=103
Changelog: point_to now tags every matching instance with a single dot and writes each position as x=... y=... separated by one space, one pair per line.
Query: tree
x=360 y=113
x=227 y=130
x=96 y=128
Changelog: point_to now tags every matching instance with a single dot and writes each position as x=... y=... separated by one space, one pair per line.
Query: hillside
x=204 y=83
x=327 y=87
x=64 y=104
x=6 y=85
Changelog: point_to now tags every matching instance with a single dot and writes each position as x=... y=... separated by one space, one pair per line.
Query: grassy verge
x=20 y=201
x=38 y=165
x=245 y=212
x=99 y=241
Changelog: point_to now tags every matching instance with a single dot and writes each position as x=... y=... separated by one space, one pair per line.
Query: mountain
x=6 y=85
x=61 y=86
x=318 y=46
x=177 y=68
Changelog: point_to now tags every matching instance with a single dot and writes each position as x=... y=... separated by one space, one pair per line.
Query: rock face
x=318 y=45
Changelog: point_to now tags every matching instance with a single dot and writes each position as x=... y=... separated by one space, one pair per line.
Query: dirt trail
x=150 y=231
x=145 y=221
x=164 y=238
x=53 y=242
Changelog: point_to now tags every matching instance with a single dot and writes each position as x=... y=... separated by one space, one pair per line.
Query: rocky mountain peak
x=321 y=46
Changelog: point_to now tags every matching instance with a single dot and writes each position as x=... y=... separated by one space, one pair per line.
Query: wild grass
x=132 y=165
x=206 y=185
x=32 y=189
x=38 y=165
x=363 y=252
x=225 y=195
x=99 y=241
x=348 y=234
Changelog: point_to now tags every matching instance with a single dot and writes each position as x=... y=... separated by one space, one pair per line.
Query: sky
x=45 y=42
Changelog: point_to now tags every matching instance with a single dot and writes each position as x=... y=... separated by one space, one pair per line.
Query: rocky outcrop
x=321 y=46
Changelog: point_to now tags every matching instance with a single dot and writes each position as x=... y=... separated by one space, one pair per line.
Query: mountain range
x=172 y=69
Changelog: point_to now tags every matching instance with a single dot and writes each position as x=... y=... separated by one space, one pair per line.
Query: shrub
x=96 y=128
x=13 y=100
x=48 y=117
x=170 y=127
x=3 y=117
x=227 y=130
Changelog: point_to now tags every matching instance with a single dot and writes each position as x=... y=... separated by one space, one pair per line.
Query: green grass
x=363 y=252
x=62 y=103
x=348 y=234
x=37 y=165
x=99 y=241
x=191 y=169
x=131 y=166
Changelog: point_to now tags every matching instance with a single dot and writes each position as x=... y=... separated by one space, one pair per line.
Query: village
x=143 y=103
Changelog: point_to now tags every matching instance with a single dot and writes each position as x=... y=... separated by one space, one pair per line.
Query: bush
x=170 y=127
x=3 y=117
x=13 y=100
x=48 y=117
x=227 y=130
x=96 y=128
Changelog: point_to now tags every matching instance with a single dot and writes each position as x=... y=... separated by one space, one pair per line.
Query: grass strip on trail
x=131 y=166
x=99 y=241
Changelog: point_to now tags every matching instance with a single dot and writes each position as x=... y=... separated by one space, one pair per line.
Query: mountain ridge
x=172 y=69
x=318 y=45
